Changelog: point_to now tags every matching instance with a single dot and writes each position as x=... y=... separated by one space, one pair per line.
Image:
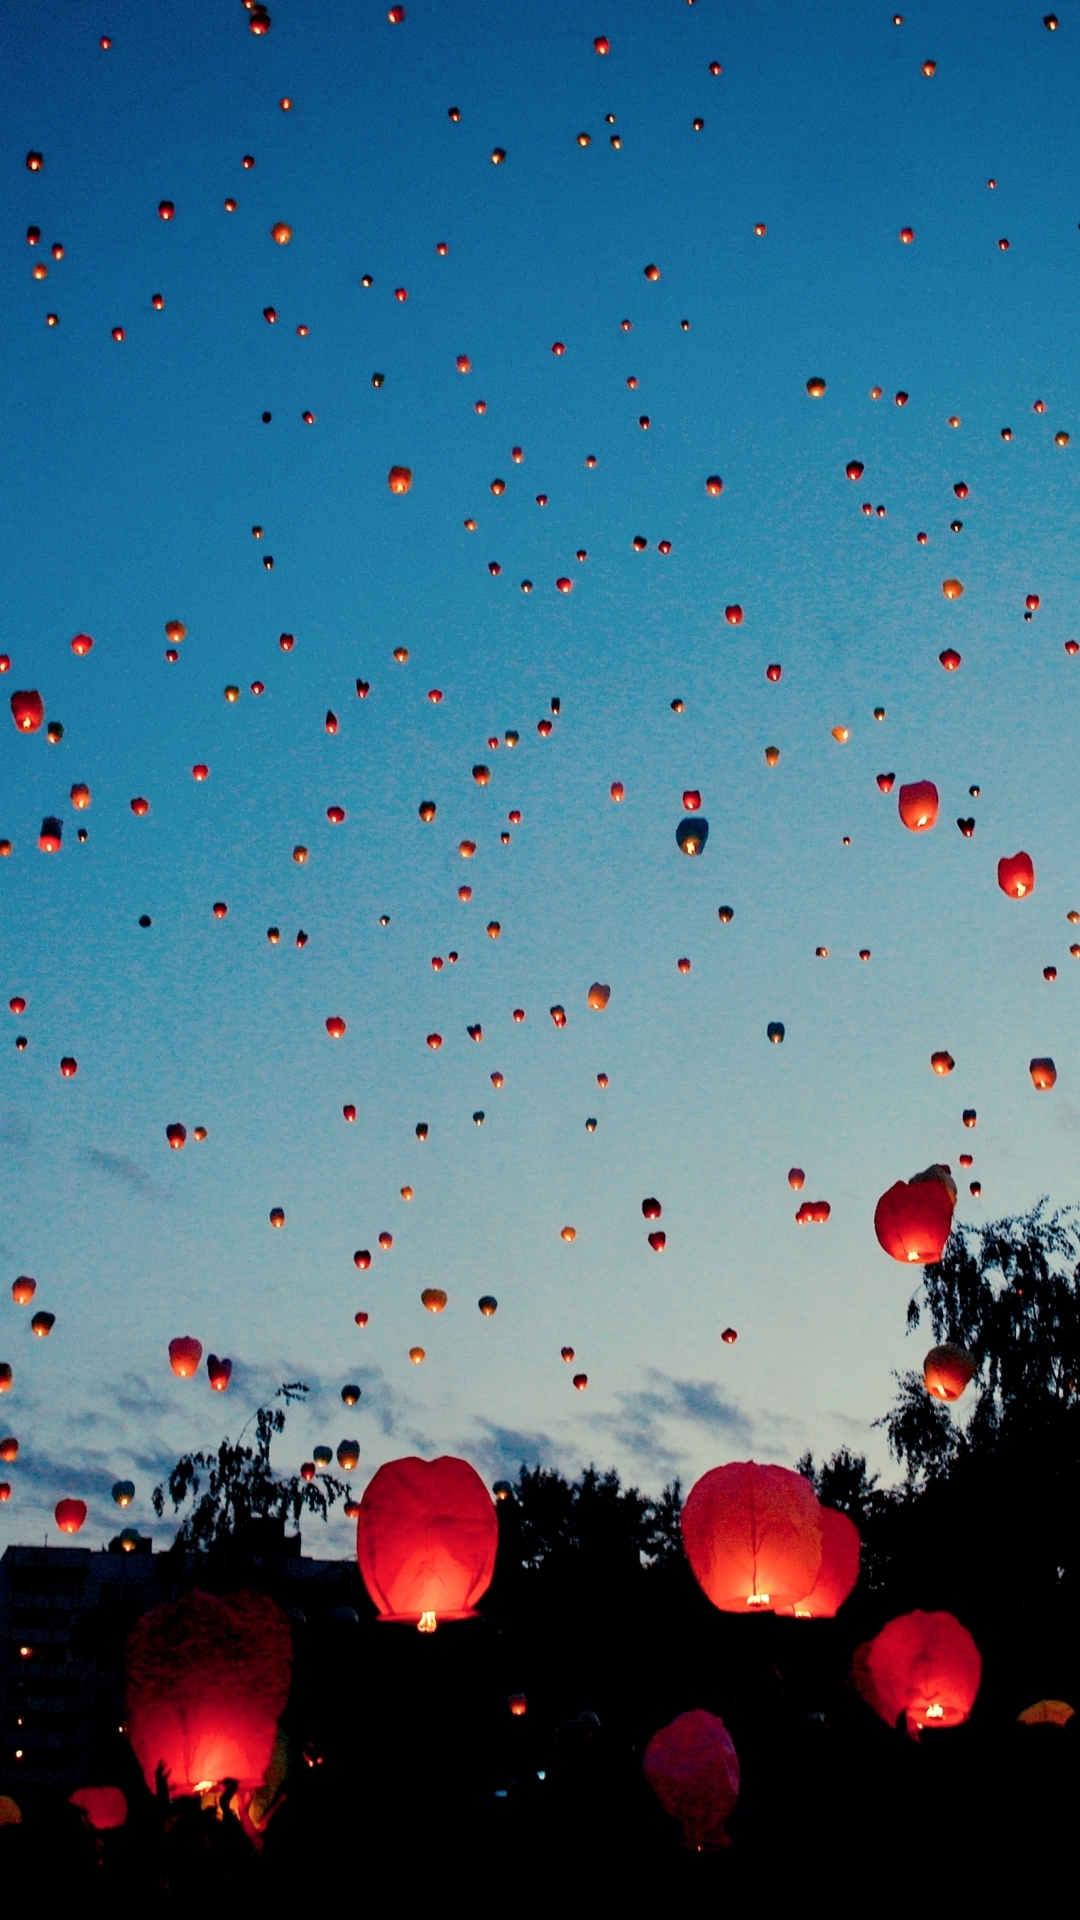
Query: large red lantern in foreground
x=426 y=1539
x=693 y=1769
x=753 y=1536
x=913 y=1220
x=207 y=1681
x=841 y=1549
x=925 y=1666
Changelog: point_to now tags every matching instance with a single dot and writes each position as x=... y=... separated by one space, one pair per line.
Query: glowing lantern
x=913 y=1219
x=618 y=791
x=580 y=1381
x=714 y=484
x=176 y=1135
x=815 y=388
x=568 y=1234
x=51 y=835
x=753 y=1536
x=27 y=711
x=399 y=479
x=775 y=1032
x=600 y=45
x=42 y=1324
x=1043 y=1073
x=105 y=1807
x=729 y=1336
x=952 y=589
x=855 y=469
x=1016 y=876
x=733 y=616
x=841 y=1550
x=69 y=1067
x=487 y=1305
x=691 y=835
x=950 y=659
x=5 y=1377
x=335 y=1026
x=426 y=1540
x=947 y=1371
x=23 y=1290
x=281 y=232
x=277 y=1216
x=70 y=1515
x=693 y=1769
x=599 y=996
x=796 y=1178
x=348 y=1456
x=207 y=1681
x=9 y=1449
x=434 y=1299
x=219 y=1372
x=184 y=1356
x=1047 y=1713
x=925 y=1666
x=558 y=1015
x=918 y=805
x=942 y=1063
x=124 y=1492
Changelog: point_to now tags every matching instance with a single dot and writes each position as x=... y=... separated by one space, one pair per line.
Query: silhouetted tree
x=241 y=1485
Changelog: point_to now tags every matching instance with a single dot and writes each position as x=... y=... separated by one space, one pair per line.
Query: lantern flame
x=427 y=1622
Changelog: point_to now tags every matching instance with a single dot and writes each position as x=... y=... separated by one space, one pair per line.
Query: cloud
x=115 y=1167
x=639 y=1424
x=502 y=1450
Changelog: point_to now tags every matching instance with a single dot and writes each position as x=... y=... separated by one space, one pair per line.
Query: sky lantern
x=693 y=1769
x=81 y=644
x=399 y=479
x=753 y=1536
x=691 y=834
x=27 y=710
x=105 y=1807
x=23 y=1290
x=599 y=995
x=219 y=1373
x=952 y=589
x=855 y=469
x=281 y=232
x=70 y=1515
x=815 y=387
x=924 y=1666
x=207 y=1680
x=918 y=806
x=1044 y=1073
x=1016 y=875
x=913 y=1219
x=841 y=1550
x=426 y=1540
x=947 y=1371
x=950 y=659
x=184 y=1356
x=176 y=1135
x=335 y=1026
x=124 y=1492
x=1047 y=1713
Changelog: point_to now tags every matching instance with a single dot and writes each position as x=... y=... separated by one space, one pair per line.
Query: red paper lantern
x=1016 y=876
x=841 y=1549
x=207 y=1680
x=184 y=1356
x=913 y=1219
x=925 y=1666
x=426 y=1540
x=27 y=711
x=946 y=1372
x=919 y=805
x=105 y=1807
x=70 y=1515
x=753 y=1536
x=693 y=1769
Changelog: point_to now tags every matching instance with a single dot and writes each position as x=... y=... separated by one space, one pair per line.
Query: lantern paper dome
x=105 y=1807
x=924 y=1666
x=946 y=1371
x=913 y=1220
x=207 y=1681
x=426 y=1540
x=753 y=1536
x=841 y=1549
x=693 y=1769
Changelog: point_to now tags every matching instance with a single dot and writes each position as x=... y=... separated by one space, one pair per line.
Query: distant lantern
x=947 y=1371
x=219 y=1373
x=335 y=1026
x=70 y=1515
x=426 y=1540
x=124 y=1492
x=775 y=1032
x=952 y=589
x=753 y=1536
x=691 y=834
x=176 y=1135
x=207 y=1681
x=1043 y=1073
x=918 y=805
x=599 y=995
x=27 y=710
x=348 y=1456
x=913 y=1219
x=399 y=479
x=693 y=1769
x=185 y=1354
x=922 y=1666
x=1016 y=876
